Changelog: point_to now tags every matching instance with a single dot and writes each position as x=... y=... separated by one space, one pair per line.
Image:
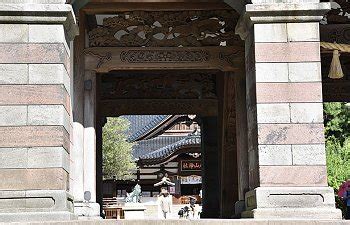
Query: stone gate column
x=35 y=110
x=287 y=164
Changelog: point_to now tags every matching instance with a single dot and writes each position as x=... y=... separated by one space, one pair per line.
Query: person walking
x=193 y=207
x=165 y=201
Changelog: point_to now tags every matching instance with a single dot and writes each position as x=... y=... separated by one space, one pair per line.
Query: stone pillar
x=287 y=162
x=87 y=208
x=84 y=122
x=77 y=154
x=35 y=110
x=210 y=169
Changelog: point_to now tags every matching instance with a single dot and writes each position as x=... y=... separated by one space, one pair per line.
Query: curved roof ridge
x=191 y=139
x=151 y=125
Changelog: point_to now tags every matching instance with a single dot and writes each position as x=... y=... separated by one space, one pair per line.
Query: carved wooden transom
x=168 y=85
x=339 y=14
x=165 y=29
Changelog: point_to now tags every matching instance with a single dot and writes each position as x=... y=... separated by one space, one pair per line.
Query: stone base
x=239 y=209
x=291 y=203
x=37 y=216
x=134 y=211
x=87 y=210
x=195 y=222
x=294 y=213
x=33 y=205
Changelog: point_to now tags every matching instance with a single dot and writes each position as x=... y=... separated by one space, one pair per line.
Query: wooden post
x=210 y=168
x=228 y=146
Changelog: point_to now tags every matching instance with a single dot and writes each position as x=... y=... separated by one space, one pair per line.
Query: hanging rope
x=335 y=46
x=335 y=70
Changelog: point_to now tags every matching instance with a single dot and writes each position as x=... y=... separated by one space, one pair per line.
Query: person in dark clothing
x=346 y=198
x=193 y=201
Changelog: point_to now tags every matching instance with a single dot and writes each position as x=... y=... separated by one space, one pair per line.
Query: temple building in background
x=165 y=145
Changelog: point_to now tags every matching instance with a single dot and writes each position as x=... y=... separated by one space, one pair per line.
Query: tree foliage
x=337 y=128
x=117 y=151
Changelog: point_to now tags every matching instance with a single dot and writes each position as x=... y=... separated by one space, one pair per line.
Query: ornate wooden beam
x=112 y=6
x=110 y=108
x=104 y=60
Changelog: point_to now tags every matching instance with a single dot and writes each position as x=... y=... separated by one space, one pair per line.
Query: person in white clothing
x=165 y=201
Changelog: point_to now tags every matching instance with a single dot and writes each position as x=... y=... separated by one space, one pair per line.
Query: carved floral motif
x=339 y=14
x=229 y=57
x=165 y=29
x=102 y=58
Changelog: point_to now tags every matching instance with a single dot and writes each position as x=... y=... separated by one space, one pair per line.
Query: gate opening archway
x=175 y=92
x=188 y=59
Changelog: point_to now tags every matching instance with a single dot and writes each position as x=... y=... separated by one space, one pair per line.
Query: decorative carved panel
x=194 y=28
x=207 y=107
x=159 y=56
x=104 y=60
x=339 y=14
x=157 y=85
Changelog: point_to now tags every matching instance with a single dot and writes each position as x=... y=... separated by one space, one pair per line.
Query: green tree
x=117 y=151
x=337 y=128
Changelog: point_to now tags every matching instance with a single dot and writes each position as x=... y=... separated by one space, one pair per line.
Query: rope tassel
x=335 y=71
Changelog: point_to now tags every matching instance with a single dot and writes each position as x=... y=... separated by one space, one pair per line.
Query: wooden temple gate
x=168 y=58
x=171 y=56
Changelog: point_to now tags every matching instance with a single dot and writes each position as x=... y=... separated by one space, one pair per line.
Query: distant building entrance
x=166 y=146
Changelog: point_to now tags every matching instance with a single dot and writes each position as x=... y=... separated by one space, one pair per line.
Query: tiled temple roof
x=153 y=148
x=167 y=152
x=152 y=124
x=145 y=147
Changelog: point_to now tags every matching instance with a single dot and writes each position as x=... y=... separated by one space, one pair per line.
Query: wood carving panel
x=157 y=85
x=208 y=107
x=104 y=60
x=338 y=14
x=159 y=56
x=166 y=29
